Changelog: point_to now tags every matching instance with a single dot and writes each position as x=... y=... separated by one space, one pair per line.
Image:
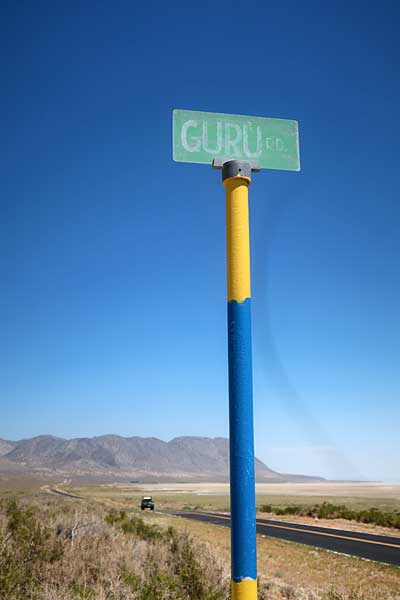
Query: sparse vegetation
x=55 y=548
x=327 y=510
x=114 y=556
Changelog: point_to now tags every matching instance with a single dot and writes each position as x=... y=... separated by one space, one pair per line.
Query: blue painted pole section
x=243 y=531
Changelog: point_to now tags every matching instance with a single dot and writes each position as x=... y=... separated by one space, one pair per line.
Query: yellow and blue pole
x=236 y=176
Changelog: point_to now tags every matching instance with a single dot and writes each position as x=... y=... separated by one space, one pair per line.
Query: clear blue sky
x=112 y=257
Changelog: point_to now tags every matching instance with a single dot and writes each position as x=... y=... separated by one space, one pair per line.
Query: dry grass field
x=357 y=494
x=215 y=496
x=91 y=563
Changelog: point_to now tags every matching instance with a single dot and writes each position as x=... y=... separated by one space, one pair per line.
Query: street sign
x=238 y=145
x=199 y=137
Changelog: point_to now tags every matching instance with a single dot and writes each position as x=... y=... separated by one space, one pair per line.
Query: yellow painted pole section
x=244 y=590
x=238 y=241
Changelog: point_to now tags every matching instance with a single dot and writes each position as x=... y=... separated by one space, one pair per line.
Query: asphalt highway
x=373 y=547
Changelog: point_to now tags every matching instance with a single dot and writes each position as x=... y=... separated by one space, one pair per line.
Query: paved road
x=374 y=547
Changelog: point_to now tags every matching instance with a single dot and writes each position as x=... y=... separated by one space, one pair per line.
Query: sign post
x=238 y=145
x=236 y=177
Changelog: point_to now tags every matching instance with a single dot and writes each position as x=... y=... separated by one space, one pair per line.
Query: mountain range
x=110 y=457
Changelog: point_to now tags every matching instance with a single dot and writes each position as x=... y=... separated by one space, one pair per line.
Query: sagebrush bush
x=136 y=526
x=184 y=573
x=26 y=545
x=81 y=555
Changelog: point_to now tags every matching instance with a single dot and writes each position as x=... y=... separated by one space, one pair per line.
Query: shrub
x=327 y=510
x=26 y=546
x=136 y=526
x=188 y=571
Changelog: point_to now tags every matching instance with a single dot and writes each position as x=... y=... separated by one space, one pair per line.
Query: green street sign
x=199 y=137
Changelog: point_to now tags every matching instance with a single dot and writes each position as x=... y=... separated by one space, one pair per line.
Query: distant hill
x=134 y=458
x=6 y=447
